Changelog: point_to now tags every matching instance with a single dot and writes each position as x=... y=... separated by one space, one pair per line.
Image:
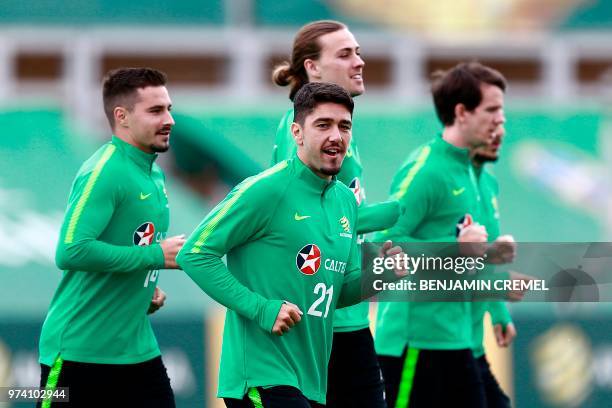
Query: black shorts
x=496 y=398
x=433 y=379
x=354 y=377
x=143 y=385
x=273 y=397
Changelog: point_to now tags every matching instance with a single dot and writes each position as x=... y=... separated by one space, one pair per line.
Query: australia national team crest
x=144 y=234
x=463 y=223
x=308 y=259
x=355 y=187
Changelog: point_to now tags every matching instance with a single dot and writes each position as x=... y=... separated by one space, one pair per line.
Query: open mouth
x=164 y=132
x=332 y=152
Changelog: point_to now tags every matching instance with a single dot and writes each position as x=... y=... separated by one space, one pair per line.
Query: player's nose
x=169 y=120
x=358 y=61
x=334 y=134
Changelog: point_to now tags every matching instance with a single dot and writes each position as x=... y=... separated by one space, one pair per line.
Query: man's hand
x=159 y=298
x=390 y=251
x=171 y=246
x=502 y=251
x=288 y=316
x=518 y=295
x=504 y=337
x=473 y=240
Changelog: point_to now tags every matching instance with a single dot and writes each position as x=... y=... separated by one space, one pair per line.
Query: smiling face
x=147 y=124
x=324 y=138
x=479 y=126
x=339 y=62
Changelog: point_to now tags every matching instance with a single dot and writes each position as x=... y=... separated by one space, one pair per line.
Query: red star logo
x=308 y=259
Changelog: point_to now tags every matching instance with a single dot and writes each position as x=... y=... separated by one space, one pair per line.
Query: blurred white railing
x=248 y=51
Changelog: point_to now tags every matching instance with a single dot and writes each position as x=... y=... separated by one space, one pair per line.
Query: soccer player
x=504 y=329
x=97 y=339
x=326 y=51
x=292 y=259
x=426 y=348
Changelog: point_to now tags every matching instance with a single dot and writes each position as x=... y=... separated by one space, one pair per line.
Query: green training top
x=288 y=235
x=109 y=253
x=374 y=217
x=490 y=219
x=439 y=187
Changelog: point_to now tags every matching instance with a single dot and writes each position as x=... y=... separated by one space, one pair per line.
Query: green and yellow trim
x=255 y=397
x=91 y=182
x=52 y=380
x=407 y=379
x=208 y=229
x=420 y=162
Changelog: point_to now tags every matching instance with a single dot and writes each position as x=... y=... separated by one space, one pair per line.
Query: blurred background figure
x=554 y=176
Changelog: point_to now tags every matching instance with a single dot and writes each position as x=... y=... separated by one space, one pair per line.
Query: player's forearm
x=377 y=217
x=357 y=290
x=97 y=256
x=212 y=276
x=351 y=294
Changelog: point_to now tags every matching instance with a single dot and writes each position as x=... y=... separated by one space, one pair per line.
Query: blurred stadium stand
x=555 y=173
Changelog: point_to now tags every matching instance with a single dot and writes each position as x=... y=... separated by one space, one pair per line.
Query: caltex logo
x=464 y=222
x=355 y=187
x=144 y=234
x=308 y=259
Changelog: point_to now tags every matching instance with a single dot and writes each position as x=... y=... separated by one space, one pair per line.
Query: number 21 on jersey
x=322 y=292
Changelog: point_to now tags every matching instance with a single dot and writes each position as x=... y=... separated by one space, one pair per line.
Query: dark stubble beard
x=160 y=149
x=481 y=159
x=329 y=172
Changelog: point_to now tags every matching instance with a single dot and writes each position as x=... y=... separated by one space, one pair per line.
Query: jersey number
x=322 y=292
x=151 y=277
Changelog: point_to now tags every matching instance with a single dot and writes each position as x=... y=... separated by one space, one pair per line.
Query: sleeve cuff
x=157 y=254
x=269 y=313
x=500 y=314
x=377 y=217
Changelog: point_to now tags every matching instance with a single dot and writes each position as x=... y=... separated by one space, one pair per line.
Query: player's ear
x=312 y=69
x=297 y=133
x=460 y=112
x=120 y=114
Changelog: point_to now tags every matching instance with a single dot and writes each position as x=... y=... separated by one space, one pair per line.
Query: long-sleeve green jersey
x=109 y=253
x=373 y=217
x=439 y=187
x=490 y=219
x=289 y=236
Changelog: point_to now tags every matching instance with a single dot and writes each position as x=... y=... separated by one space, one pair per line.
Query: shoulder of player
x=422 y=165
x=284 y=124
x=268 y=185
x=345 y=193
x=102 y=162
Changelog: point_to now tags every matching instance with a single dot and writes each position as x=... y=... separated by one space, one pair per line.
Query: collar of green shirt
x=460 y=154
x=306 y=174
x=142 y=159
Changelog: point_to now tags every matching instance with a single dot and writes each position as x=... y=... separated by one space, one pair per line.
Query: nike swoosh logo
x=458 y=191
x=300 y=217
x=144 y=196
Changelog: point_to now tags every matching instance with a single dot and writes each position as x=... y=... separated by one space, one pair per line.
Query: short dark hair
x=461 y=84
x=312 y=94
x=120 y=85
